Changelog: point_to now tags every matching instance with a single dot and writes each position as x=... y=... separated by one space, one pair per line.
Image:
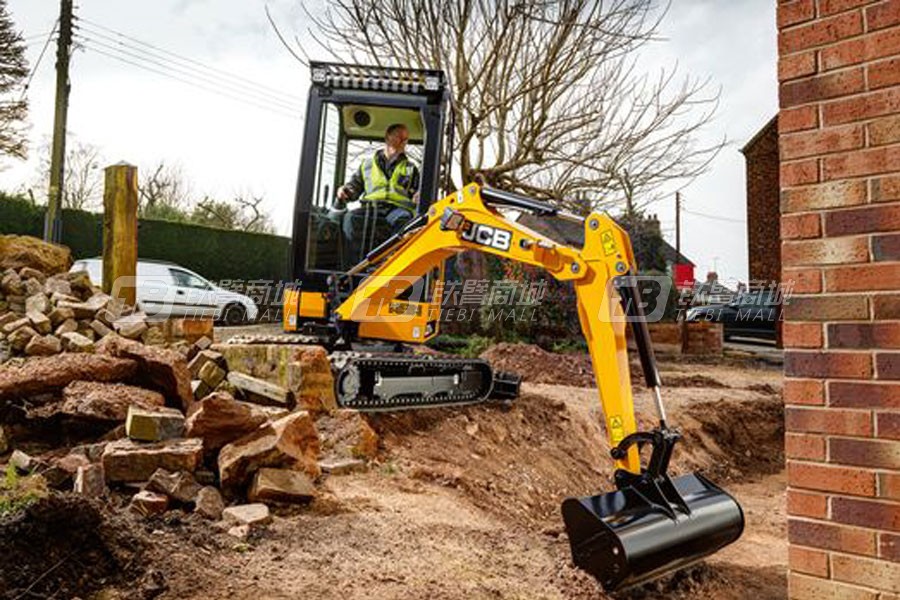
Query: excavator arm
x=651 y=523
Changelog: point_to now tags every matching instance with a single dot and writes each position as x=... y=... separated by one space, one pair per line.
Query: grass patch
x=18 y=492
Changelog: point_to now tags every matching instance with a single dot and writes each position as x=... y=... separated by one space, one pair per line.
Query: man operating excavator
x=387 y=183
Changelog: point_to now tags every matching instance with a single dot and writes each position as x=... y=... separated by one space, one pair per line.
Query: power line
x=714 y=217
x=93 y=27
x=38 y=61
x=219 y=92
x=258 y=97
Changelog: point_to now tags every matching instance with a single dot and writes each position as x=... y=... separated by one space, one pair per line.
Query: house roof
x=773 y=122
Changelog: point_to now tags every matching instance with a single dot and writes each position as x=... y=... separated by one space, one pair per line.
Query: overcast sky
x=244 y=135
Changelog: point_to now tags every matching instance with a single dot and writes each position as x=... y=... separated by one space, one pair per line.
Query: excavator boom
x=651 y=523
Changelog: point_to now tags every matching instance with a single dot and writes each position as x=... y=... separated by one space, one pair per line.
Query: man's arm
x=353 y=188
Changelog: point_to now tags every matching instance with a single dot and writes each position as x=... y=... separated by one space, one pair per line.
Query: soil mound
x=63 y=547
x=536 y=365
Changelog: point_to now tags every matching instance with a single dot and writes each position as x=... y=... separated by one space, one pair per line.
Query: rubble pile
x=93 y=400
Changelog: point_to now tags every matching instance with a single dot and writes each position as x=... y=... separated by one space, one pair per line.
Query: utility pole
x=677 y=228
x=52 y=218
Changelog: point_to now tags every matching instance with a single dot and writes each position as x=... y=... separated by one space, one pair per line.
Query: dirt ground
x=464 y=503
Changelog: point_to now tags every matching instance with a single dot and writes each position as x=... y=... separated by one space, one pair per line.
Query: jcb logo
x=487 y=235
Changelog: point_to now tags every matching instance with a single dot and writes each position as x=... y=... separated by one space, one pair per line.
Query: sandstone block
x=126 y=460
x=154 y=425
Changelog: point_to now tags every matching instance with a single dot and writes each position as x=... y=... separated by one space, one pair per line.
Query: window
x=188 y=280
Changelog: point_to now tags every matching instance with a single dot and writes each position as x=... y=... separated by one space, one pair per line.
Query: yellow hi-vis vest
x=378 y=187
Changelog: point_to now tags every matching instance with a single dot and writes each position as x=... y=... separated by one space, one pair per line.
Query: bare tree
x=243 y=213
x=13 y=71
x=83 y=185
x=164 y=193
x=548 y=95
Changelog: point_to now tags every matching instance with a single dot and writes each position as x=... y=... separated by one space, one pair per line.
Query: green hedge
x=216 y=254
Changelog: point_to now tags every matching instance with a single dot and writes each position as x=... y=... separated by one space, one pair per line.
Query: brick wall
x=839 y=73
x=763 y=243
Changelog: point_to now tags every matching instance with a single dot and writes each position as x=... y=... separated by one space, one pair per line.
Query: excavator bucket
x=648 y=528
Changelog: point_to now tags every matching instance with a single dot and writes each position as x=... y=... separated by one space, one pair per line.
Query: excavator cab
x=349 y=109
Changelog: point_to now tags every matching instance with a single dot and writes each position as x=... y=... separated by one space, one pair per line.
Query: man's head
x=395 y=138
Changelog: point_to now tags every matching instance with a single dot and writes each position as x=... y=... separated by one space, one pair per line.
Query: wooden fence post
x=120 y=203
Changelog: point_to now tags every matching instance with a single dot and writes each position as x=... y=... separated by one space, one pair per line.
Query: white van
x=167 y=290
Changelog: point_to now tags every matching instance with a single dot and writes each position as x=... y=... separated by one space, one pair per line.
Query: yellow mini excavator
x=385 y=285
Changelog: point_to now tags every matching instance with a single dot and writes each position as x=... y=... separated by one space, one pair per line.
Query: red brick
x=883 y=15
x=872 y=395
x=883 y=74
x=803 y=391
x=887 y=425
x=886 y=189
x=796 y=65
x=832 y=365
x=822 y=87
x=803 y=281
x=830 y=7
x=878 y=276
x=885 y=130
x=798 y=11
x=824 y=478
x=831 y=251
x=798 y=119
x=820 y=32
x=826 y=308
x=864 y=335
x=866 y=513
x=828 y=420
x=805 y=587
x=862 y=162
x=803 y=226
x=802 y=335
x=864 y=453
x=805 y=560
x=831 y=537
x=865 y=571
x=862 y=49
x=886 y=306
x=887 y=364
x=889 y=485
x=889 y=547
x=870 y=219
x=886 y=247
x=821 y=141
x=836 y=194
x=804 y=447
x=799 y=172
x=807 y=504
x=859 y=108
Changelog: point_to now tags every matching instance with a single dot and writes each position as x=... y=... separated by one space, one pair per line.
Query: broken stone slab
x=11 y=284
x=259 y=391
x=32 y=273
x=342 y=466
x=179 y=486
x=241 y=532
x=106 y=401
x=43 y=345
x=147 y=503
x=32 y=286
x=199 y=346
x=153 y=337
x=219 y=419
x=209 y=503
x=47 y=374
x=90 y=481
x=60 y=473
x=92 y=452
x=251 y=515
x=126 y=460
x=59 y=315
x=162 y=369
x=24 y=463
x=73 y=341
x=211 y=375
x=39 y=321
x=57 y=285
x=203 y=358
x=100 y=328
x=20 y=251
x=18 y=339
x=86 y=309
x=37 y=303
x=154 y=425
x=346 y=433
x=281 y=486
x=84 y=328
x=7 y=318
x=67 y=326
x=13 y=325
x=290 y=442
x=132 y=329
